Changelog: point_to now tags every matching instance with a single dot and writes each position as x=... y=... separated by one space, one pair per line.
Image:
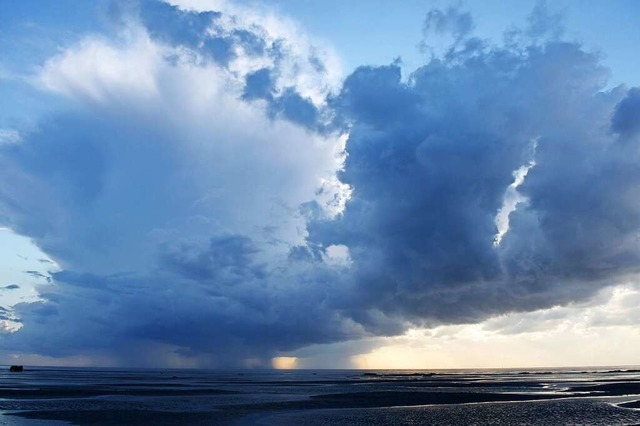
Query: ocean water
x=60 y=396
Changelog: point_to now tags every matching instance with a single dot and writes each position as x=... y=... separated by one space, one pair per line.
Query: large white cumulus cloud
x=159 y=146
x=166 y=192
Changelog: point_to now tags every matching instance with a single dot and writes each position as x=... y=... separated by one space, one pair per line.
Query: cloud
x=626 y=118
x=9 y=136
x=10 y=287
x=543 y=23
x=611 y=307
x=431 y=160
x=213 y=196
x=160 y=119
x=221 y=320
x=586 y=333
x=448 y=32
x=170 y=201
x=450 y=21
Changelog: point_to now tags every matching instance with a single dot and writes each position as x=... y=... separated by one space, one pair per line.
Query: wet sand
x=632 y=404
x=198 y=397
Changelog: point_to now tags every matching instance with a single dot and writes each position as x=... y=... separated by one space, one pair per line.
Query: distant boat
x=16 y=368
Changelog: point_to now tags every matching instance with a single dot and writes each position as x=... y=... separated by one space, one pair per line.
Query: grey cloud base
x=146 y=269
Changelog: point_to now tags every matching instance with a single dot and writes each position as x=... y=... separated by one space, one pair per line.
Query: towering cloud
x=213 y=193
x=431 y=160
x=169 y=190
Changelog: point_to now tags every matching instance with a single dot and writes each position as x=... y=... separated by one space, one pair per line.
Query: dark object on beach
x=16 y=368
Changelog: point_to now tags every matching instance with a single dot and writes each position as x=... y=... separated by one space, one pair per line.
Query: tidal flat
x=56 y=396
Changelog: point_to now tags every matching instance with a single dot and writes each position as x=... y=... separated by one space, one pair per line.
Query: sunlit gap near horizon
x=239 y=184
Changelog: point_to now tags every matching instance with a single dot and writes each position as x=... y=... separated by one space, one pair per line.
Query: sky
x=305 y=184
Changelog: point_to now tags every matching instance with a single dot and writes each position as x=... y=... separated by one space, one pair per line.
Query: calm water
x=46 y=396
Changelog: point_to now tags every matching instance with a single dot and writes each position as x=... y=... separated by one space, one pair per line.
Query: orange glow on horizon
x=284 y=362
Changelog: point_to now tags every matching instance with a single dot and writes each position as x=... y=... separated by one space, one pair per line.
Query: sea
x=85 y=396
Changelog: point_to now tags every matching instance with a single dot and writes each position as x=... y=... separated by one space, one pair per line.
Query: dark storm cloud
x=230 y=257
x=230 y=313
x=429 y=160
x=202 y=230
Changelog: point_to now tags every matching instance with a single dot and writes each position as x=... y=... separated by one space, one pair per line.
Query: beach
x=50 y=396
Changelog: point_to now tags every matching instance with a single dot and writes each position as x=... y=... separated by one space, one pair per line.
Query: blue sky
x=378 y=32
x=269 y=177
x=391 y=30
